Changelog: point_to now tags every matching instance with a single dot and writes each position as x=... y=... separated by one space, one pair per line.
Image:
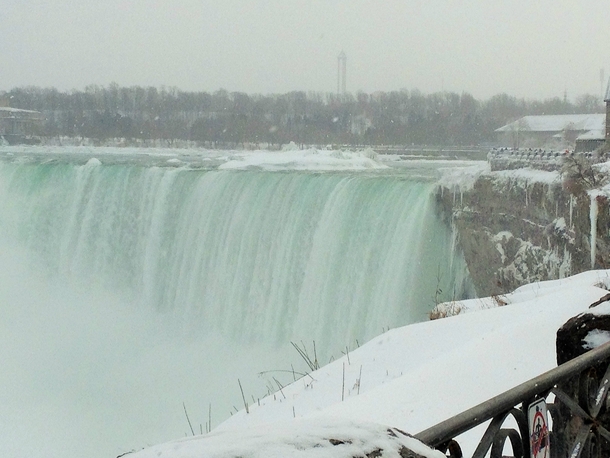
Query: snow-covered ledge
x=312 y=438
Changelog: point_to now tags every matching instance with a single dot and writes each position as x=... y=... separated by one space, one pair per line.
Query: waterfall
x=204 y=275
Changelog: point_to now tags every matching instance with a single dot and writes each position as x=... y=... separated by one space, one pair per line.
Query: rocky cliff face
x=517 y=227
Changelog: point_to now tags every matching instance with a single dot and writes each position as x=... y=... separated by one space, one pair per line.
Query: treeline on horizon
x=225 y=118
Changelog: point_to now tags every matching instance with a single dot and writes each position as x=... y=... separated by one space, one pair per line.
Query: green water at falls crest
x=254 y=255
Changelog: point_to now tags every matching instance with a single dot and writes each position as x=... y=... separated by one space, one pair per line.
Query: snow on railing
x=508 y=158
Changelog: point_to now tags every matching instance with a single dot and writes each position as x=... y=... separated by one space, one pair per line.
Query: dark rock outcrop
x=514 y=230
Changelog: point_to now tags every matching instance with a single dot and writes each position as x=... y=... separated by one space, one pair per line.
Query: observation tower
x=341 y=73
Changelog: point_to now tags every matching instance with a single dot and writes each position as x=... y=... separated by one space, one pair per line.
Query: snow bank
x=463 y=178
x=409 y=378
x=528 y=175
x=326 y=438
x=310 y=159
x=292 y=146
x=537 y=291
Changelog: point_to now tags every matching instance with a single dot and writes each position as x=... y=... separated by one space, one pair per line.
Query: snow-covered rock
x=300 y=438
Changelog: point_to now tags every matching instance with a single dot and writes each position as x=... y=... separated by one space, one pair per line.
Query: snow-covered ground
x=408 y=378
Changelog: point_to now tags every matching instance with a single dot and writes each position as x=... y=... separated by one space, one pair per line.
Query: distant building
x=18 y=126
x=586 y=131
x=590 y=141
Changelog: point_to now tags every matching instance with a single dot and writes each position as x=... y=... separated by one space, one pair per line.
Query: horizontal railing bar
x=454 y=426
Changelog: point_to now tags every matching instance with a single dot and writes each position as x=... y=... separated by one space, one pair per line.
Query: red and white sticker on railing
x=537 y=417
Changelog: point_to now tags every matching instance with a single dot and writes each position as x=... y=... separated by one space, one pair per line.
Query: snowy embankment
x=408 y=378
x=463 y=178
x=292 y=158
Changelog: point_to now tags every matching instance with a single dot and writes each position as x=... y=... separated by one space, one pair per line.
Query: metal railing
x=578 y=403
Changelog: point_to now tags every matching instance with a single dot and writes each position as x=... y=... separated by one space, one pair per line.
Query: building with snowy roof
x=588 y=130
x=17 y=125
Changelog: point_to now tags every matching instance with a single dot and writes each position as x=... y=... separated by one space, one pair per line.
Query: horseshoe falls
x=134 y=293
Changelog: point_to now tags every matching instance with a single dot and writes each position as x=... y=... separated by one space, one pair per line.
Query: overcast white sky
x=526 y=48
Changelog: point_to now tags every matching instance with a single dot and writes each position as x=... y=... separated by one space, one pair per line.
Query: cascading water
x=130 y=289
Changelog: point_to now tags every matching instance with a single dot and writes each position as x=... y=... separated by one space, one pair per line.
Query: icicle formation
x=571 y=211
x=593 y=219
